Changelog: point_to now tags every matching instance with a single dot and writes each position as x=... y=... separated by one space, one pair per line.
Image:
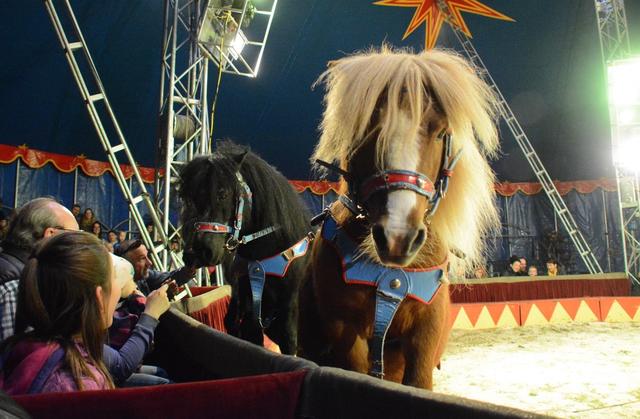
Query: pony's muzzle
x=398 y=247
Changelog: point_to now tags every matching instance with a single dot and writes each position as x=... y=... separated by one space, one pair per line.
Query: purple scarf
x=27 y=367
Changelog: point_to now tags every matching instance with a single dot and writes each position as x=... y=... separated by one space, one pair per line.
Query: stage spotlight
x=624 y=110
x=233 y=34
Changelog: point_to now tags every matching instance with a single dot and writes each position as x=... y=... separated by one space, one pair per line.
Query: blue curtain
x=530 y=227
x=46 y=181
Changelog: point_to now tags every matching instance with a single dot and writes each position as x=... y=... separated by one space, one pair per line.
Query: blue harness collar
x=274 y=266
x=393 y=285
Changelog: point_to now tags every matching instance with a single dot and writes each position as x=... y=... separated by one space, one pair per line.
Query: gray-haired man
x=37 y=219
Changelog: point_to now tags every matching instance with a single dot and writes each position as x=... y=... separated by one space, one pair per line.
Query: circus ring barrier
x=517 y=301
x=224 y=377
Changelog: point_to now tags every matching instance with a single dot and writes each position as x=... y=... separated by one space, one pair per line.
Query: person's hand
x=157 y=302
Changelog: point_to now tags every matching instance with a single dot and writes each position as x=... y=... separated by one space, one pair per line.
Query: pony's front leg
x=350 y=348
x=424 y=343
x=284 y=331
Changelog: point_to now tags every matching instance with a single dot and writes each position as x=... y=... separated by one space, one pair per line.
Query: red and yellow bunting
x=430 y=13
x=540 y=312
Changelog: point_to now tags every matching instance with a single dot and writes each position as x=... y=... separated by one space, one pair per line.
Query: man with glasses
x=146 y=278
x=36 y=220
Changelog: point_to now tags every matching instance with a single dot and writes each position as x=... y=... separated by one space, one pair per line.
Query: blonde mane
x=403 y=81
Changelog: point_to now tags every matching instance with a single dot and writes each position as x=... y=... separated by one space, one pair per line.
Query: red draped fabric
x=263 y=396
x=541 y=289
x=36 y=159
x=213 y=314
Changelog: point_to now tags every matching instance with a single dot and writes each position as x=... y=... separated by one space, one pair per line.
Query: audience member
x=96 y=229
x=109 y=247
x=175 y=248
x=132 y=330
x=4 y=227
x=122 y=236
x=146 y=278
x=533 y=270
x=480 y=272
x=37 y=219
x=552 y=267
x=513 y=269
x=75 y=210
x=523 y=266
x=87 y=220
x=67 y=296
x=112 y=237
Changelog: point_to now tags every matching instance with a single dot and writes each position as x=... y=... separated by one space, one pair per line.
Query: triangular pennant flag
x=473 y=312
x=496 y=311
x=546 y=307
x=571 y=307
x=462 y=321
x=630 y=305
x=484 y=320
x=509 y=316
x=560 y=315
x=616 y=313
x=588 y=311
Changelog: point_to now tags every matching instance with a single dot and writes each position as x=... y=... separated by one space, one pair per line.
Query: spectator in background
x=4 y=226
x=67 y=296
x=480 y=272
x=3 y=214
x=75 y=210
x=552 y=267
x=146 y=278
x=533 y=270
x=122 y=236
x=96 y=229
x=112 y=237
x=523 y=266
x=109 y=247
x=87 y=220
x=38 y=219
x=175 y=248
x=513 y=269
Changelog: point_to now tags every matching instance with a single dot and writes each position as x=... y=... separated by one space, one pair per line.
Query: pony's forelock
x=403 y=82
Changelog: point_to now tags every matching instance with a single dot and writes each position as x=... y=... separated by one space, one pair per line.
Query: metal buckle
x=232 y=244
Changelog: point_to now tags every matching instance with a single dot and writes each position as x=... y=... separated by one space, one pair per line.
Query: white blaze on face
x=401 y=203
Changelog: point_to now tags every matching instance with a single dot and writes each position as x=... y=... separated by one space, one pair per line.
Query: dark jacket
x=12 y=261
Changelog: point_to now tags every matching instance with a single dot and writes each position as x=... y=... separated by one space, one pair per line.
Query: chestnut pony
x=396 y=125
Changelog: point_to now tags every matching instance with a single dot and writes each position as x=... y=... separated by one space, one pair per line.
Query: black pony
x=236 y=205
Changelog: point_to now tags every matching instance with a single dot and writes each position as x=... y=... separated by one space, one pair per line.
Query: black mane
x=275 y=202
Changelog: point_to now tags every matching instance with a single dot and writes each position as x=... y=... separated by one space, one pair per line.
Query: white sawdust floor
x=581 y=370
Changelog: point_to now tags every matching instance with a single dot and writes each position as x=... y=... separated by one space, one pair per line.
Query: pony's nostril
x=379 y=237
x=418 y=240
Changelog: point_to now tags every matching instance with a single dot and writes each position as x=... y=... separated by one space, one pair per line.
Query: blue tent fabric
x=547 y=63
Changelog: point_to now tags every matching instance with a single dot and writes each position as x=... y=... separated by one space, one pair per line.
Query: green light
x=624 y=110
x=624 y=82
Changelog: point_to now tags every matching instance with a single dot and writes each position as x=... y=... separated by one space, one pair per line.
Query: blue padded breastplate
x=393 y=285
x=275 y=266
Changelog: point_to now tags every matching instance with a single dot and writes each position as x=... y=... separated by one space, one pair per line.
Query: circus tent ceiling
x=547 y=63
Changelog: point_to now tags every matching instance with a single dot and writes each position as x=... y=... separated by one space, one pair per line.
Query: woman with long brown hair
x=67 y=295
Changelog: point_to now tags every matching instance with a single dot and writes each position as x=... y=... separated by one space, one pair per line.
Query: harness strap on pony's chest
x=391 y=290
x=275 y=266
x=393 y=285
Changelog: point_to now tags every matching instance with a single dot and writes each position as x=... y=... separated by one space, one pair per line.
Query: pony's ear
x=332 y=63
x=239 y=158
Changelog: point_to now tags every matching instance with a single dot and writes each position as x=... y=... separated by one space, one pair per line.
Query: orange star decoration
x=429 y=12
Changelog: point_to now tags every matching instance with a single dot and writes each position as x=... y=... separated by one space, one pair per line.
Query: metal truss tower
x=615 y=46
x=559 y=206
x=104 y=121
x=184 y=121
